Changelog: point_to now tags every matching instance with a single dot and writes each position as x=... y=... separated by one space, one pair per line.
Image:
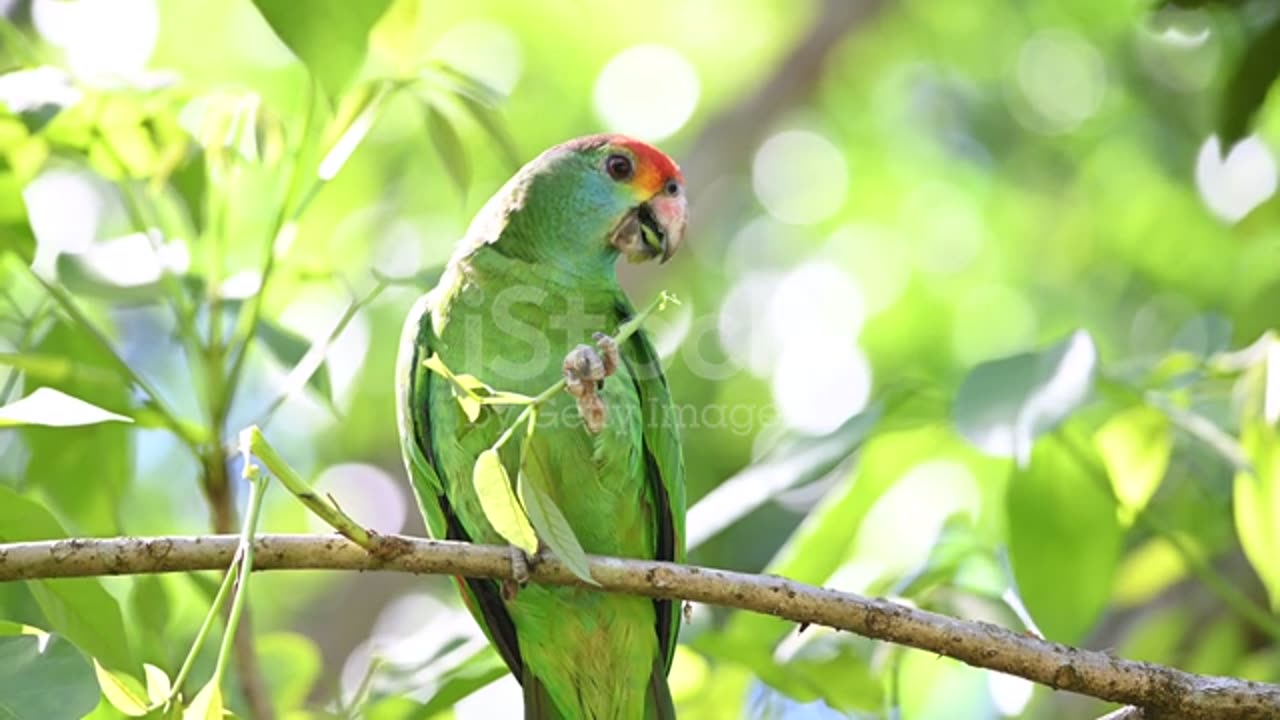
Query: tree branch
x=1163 y=691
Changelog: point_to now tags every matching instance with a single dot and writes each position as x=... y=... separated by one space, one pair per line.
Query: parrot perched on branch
x=528 y=298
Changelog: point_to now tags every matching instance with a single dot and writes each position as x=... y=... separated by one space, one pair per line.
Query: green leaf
x=124 y=693
x=158 y=684
x=207 y=704
x=289 y=349
x=498 y=500
x=1135 y=446
x=330 y=37
x=291 y=665
x=84 y=281
x=465 y=387
x=53 y=408
x=15 y=231
x=57 y=369
x=552 y=526
x=1248 y=86
x=44 y=677
x=459 y=682
x=61 y=459
x=449 y=146
x=827 y=538
x=1004 y=405
x=79 y=609
x=1064 y=538
x=834 y=667
x=37 y=95
x=494 y=126
x=354 y=118
x=149 y=614
x=1257 y=505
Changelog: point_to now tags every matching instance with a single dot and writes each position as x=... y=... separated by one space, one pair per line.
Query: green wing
x=413 y=394
x=664 y=463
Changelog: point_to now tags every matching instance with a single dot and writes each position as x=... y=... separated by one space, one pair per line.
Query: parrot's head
x=650 y=204
x=591 y=198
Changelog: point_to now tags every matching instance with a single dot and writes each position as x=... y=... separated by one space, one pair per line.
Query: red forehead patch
x=653 y=167
x=647 y=155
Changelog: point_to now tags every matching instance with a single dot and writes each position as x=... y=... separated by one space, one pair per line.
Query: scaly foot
x=585 y=369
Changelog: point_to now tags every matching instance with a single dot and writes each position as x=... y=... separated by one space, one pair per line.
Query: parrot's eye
x=672 y=188
x=618 y=167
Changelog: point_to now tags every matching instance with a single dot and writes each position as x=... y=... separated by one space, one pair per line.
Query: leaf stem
x=257 y=490
x=215 y=609
x=252 y=442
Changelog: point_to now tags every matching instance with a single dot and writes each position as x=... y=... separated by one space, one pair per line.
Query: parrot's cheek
x=629 y=239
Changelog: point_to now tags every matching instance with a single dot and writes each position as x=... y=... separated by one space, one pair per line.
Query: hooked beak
x=654 y=229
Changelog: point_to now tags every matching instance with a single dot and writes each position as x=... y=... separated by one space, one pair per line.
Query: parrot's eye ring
x=619 y=167
x=672 y=188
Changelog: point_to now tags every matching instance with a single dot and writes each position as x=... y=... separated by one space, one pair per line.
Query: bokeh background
x=887 y=196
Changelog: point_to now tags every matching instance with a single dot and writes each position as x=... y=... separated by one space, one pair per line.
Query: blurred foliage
x=987 y=323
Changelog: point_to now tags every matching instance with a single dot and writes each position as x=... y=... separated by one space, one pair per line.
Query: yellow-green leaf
x=1135 y=447
x=551 y=524
x=554 y=528
x=158 y=685
x=122 y=691
x=207 y=704
x=1257 y=506
x=498 y=500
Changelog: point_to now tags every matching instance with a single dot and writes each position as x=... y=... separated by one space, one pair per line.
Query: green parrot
x=528 y=289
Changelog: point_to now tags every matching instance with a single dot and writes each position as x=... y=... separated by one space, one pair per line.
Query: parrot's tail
x=658 y=702
x=537 y=701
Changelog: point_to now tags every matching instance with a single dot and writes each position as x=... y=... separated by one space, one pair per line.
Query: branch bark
x=1162 y=691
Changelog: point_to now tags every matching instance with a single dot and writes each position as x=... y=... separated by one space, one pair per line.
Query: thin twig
x=167 y=415
x=1155 y=687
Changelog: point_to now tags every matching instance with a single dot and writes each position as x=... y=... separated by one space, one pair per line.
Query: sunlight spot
x=100 y=38
x=800 y=177
x=765 y=244
x=366 y=493
x=1010 y=693
x=241 y=285
x=1233 y=186
x=65 y=209
x=486 y=51
x=819 y=384
x=928 y=493
x=131 y=260
x=649 y=91
x=28 y=90
x=743 y=335
x=1060 y=82
x=815 y=300
x=877 y=260
x=494 y=700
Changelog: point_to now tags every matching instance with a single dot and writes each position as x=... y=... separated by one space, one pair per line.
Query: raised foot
x=585 y=369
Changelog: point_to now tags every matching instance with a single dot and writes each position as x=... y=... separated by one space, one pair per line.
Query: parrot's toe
x=520 y=562
x=584 y=372
x=584 y=369
x=608 y=352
